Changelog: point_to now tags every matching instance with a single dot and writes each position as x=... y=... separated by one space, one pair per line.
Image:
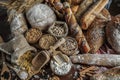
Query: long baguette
x=109 y=60
x=75 y=29
x=82 y=8
x=89 y=16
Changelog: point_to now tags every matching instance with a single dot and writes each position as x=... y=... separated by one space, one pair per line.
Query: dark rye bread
x=95 y=34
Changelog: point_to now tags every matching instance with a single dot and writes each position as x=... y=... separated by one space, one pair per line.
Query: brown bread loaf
x=96 y=34
x=113 y=33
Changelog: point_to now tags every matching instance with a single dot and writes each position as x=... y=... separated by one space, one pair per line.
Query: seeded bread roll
x=113 y=33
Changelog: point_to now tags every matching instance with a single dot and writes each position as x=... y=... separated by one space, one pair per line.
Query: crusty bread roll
x=113 y=33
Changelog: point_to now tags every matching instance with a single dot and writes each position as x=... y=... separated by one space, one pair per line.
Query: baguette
x=108 y=60
x=89 y=16
x=82 y=8
x=75 y=29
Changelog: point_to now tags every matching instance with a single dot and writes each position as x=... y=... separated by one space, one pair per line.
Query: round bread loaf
x=113 y=33
x=40 y=15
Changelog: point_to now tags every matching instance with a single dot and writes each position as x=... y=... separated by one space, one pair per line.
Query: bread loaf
x=95 y=36
x=113 y=33
x=40 y=15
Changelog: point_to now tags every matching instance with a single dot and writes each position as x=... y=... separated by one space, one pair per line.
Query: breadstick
x=75 y=29
x=89 y=16
x=109 y=60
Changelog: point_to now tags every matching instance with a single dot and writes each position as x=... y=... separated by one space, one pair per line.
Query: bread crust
x=89 y=16
x=113 y=33
x=95 y=36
